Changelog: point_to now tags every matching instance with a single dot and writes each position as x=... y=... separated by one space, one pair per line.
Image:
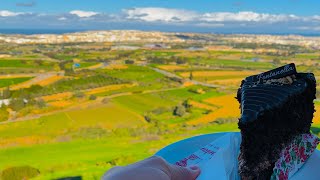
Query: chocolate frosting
x=257 y=96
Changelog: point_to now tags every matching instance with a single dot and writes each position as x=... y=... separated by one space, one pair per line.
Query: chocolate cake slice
x=275 y=107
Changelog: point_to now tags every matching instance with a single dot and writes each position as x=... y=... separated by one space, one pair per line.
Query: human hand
x=153 y=168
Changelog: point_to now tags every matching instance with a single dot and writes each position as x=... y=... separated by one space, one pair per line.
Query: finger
x=183 y=173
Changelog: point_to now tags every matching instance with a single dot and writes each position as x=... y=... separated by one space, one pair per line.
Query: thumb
x=184 y=173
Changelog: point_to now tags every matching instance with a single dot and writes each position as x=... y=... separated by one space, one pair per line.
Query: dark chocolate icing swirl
x=274 y=109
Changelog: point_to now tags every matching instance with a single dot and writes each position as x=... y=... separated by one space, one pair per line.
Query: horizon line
x=37 y=31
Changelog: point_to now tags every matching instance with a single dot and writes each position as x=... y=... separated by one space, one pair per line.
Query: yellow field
x=108 y=88
x=192 y=54
x=94 y=66
x=116 y=66
x=62 y=96
x=202 y=105
x=50 y=80
x=228 y=107
x=227 y=82
x=23 y=141
x=25 y=84
x=218 y=73
x=108 y=116
x=188 y=83
x=316 y=118
x=10 y=76
x=56 y=97
x=172 y=67
x=61 y=103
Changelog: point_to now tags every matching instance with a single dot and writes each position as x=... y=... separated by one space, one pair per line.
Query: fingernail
x=194 y=168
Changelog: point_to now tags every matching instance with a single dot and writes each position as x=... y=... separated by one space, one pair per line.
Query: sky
x=217 y=16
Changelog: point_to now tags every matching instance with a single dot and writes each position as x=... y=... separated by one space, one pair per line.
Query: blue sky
x=235 y=16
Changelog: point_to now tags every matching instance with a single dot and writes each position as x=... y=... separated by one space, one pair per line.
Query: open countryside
x=78 y=109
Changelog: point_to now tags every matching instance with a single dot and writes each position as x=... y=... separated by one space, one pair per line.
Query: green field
x=144 y=79
x=82 y=142
x=107 y=116
x=14 y=63
x=12 y=81
x=135 y=73
x=146 y=102
x=241 y=64
x=91 y=158
x=308 y=56
x=84 y=121
x=163 y=53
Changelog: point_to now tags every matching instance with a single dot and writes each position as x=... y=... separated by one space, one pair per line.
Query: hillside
x=78 y=109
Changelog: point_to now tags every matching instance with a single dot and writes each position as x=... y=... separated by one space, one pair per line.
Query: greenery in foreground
x=92 y=156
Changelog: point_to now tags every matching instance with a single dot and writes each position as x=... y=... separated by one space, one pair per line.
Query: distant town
x=160 y=37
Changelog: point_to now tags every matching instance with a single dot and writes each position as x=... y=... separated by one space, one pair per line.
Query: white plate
x=176 y=151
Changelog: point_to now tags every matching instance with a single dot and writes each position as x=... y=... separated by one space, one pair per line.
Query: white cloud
x=62 y=18
x=160 y=14
x=83 y=14
x=6 y=13
x=151 y=14
x=316 y=17
x=160 y=18
x=206 y=24
x=246 y=16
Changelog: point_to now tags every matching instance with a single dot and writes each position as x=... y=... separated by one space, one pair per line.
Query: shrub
x=179 y=111
x=129 y=62
x=41 y=103
x=17 y=104
x=147 y=118
x=92 y=97
x=105 y=100
x=224 y=120
x=197 y=90
x=79 y=94
x=160 y=110
x=187 y=103
x=191 y=76
x=4 y=114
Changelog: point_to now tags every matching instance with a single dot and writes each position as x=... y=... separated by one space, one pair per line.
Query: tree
x=105 y=100
x=56 y=67
x=41 y=103
x=181 y=61
x=276 y=61
x=179 y=111
x=191 y=75
x=6 y=93
x=17 y=104
x=129 y=62
x=78 y=94
x=187 y=104
x=147 y=117
x=92 y=97
x=4 y=114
